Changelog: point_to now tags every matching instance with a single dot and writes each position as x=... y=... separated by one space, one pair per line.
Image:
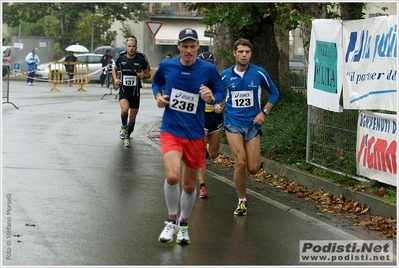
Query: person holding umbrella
x=106 y=63
x=70 y=68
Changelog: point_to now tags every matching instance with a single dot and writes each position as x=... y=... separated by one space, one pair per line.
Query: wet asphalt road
x=73 y=195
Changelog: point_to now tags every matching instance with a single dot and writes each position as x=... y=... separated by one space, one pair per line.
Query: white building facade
x=174 y=18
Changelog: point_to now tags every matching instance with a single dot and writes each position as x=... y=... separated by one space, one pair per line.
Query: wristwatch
x=265 y=111
x=213 y=100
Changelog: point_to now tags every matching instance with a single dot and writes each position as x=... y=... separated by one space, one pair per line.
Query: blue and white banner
x=376 y=147
x=325 y=67
x=370 y=63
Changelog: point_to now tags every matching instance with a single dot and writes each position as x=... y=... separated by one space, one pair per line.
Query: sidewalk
x=378 y=205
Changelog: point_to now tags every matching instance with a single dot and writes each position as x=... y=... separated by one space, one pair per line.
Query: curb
x=378 y=205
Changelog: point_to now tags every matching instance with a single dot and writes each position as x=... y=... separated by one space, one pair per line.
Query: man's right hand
x=117 y=84
x=162 y=100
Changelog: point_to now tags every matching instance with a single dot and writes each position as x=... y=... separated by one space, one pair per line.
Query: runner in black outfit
x=138 y=53
x=132 y=69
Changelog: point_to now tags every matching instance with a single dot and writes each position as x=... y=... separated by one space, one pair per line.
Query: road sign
x=154 y=26
x=209 y=34
x=19 y=45
x=17 y=66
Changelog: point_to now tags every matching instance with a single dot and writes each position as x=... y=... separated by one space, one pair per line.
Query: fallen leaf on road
x=324 y=201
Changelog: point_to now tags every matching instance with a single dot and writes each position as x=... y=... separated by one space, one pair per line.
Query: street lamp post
x=93 y=9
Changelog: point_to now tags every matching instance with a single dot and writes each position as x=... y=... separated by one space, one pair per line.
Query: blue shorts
x=248 y=132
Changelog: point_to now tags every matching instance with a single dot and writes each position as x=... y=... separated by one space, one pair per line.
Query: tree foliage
x=71 y=23
x=258 y=22
x=253 y=21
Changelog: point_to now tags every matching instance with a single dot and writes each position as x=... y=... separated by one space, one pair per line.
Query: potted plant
x=165 y=9
x=158 y=8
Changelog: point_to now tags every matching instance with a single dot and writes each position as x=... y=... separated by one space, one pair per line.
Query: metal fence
x=331 y=140
x=6 y=81
x=6 y=85
x=298 y=79
x=331 y=136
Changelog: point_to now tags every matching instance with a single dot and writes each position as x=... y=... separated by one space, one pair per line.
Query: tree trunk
x=221 y=41
x=317 y=11
x=351 y=11
x=261 y=34
x=64 y=42
x=282 y=39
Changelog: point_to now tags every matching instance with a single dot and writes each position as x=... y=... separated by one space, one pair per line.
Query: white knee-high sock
x=187 y=203
x=172 y=194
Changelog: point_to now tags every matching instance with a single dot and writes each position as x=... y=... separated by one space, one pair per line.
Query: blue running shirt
x=243 y=100
x=184 y=117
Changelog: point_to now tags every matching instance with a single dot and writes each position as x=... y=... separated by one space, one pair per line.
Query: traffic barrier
x=147 y=82
x=59 y=75
x=108 y=82
x=6 y=85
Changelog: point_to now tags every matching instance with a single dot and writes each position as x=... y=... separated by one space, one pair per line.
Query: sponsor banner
x=347 y=251
x=370 y=63
x=376 y=147
x=325 y=67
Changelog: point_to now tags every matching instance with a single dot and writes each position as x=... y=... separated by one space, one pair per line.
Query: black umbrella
x=103 y=49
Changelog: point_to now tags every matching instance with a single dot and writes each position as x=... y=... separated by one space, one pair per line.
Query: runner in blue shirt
x=189 y=85
x=244 y=115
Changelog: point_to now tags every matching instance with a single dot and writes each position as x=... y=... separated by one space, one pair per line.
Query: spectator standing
x=189 y=84
x=244 y=115
x=106 y=63
x=70 y=68
x=32 y=60
x=132 y=69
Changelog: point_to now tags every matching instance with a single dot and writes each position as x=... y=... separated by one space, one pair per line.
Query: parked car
x=6 y=51
x=93 y=61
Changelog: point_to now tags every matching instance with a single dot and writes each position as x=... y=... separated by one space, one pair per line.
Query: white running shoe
x=170 y=229
x=182 y=235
